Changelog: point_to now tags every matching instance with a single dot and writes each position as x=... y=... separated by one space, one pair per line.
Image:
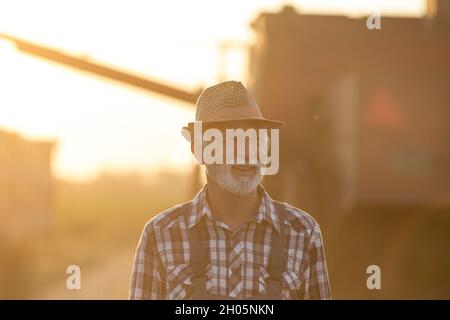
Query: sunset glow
x=101 y=125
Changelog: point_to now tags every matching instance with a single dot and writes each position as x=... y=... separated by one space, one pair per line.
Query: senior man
x=232 y=241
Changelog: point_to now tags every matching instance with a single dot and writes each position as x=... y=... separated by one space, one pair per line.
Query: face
x=236 y=179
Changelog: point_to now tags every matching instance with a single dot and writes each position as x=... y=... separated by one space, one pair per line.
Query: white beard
x=221 y=174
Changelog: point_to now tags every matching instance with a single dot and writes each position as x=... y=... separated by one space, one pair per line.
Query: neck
x=232 y=209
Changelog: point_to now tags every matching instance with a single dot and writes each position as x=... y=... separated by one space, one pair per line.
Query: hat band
x=236 y=113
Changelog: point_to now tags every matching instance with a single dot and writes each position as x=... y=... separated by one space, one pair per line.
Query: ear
x=186 y=134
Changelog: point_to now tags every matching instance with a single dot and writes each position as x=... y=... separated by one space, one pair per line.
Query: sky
x=100 y=125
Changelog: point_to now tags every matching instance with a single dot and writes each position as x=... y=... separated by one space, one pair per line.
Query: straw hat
x=228 y=102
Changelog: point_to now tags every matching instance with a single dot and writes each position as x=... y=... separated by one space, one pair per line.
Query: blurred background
x=93 y=95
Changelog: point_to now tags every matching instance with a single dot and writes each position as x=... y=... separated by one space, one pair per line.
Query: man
x=232 y=241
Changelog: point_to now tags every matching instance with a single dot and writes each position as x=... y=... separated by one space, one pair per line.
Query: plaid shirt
x=238 y=259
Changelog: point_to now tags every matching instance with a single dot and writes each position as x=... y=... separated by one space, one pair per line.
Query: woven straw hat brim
x=257 y=122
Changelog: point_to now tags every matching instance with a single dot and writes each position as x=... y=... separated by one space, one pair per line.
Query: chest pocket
x=291 y=284
x=178 y=281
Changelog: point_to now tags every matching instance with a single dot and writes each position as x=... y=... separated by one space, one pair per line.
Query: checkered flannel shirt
x=238 y=260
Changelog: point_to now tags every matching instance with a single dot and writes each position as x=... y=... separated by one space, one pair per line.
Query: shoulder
x=167 y=219
x=300 y=220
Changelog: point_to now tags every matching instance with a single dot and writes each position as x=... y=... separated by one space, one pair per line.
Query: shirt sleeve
x=317 y=285
x=147 y=282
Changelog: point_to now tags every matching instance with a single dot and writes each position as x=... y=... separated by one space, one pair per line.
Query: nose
x=250 y=153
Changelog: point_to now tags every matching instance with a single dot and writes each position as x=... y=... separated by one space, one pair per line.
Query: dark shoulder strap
x=277 y=257
x=197 y=250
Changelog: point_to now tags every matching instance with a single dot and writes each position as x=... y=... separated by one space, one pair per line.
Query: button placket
x=234 y=264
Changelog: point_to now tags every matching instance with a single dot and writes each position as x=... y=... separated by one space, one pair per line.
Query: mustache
x=240 y=185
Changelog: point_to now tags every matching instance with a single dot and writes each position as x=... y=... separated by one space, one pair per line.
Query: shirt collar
x=266 y=212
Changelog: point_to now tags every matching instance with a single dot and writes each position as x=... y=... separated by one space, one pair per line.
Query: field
x=97 y=226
